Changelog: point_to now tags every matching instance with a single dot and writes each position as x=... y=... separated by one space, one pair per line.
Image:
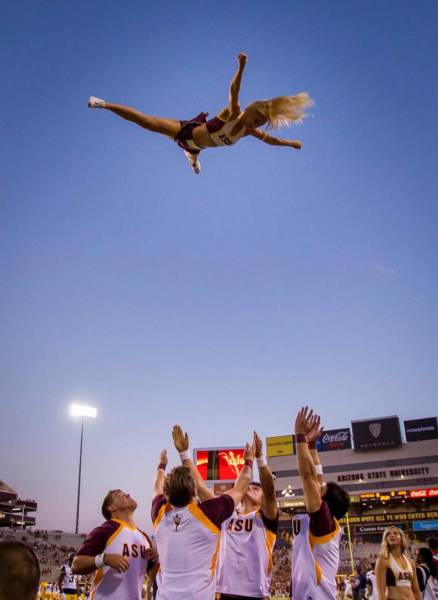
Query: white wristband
x=98 y=560
x=185 y=455
x=318 y=469
x=261 y=461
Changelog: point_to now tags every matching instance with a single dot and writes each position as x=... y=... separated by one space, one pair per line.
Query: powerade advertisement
x=421 y=429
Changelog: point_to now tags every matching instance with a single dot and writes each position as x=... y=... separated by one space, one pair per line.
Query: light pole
x=79 y=410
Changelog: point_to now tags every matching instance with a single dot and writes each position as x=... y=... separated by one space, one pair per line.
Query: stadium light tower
x=80 y=410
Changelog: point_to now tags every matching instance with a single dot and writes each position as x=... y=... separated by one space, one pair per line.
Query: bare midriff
x=202 y=138
x=399 y=593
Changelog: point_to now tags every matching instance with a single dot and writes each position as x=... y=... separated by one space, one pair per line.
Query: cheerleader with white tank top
x=396 y=576
x=227 y=127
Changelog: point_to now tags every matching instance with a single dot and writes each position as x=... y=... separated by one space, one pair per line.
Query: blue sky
x=223 y=301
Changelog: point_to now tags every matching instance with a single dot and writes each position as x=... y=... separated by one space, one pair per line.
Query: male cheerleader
x=317 y=534
x=117 y=551
x=188 y=532
x=244 y=566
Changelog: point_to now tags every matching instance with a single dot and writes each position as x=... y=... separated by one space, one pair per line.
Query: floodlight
x=80 y=410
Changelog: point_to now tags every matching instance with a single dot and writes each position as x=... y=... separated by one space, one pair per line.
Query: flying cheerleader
x=228 y=126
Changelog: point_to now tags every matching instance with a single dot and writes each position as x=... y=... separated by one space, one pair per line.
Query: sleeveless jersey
x=245 y=556
x=117 y=537
x=398 y=577
x=188 y=543
x=315 y=561
x=220 y=131
x=69 y=583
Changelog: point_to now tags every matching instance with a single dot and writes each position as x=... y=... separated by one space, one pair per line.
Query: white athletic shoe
x=194 y=162
x=94 y=102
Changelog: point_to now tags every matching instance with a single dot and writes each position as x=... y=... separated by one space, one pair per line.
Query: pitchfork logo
x=375 y=429
x=177 y=521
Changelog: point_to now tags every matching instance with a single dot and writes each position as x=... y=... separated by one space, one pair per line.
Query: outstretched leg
x=168 y=127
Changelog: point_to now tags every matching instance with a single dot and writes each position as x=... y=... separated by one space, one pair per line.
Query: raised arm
x=314 y=433
x=306 y=468
x=245 y=476
x=181 y=442
x=160 y=475
x=274 y=141
x=269 y=501
x=233 y=109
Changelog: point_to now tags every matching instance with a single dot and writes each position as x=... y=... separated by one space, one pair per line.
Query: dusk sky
x=223 y=301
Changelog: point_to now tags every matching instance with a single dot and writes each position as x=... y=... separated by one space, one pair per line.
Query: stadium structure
x=14 y=512
x=391 y=481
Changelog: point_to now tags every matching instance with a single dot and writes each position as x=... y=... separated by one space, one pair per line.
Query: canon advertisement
x=376 y=434
x=334 y=439
x=421 y=429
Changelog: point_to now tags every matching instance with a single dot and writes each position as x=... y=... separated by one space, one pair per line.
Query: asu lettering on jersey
x=188 y=542
x=221 y=131
x=315 y=560
x=117 y=537
x=245 y=555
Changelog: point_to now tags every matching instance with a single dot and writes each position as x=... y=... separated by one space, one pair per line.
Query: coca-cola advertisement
x=334 y=439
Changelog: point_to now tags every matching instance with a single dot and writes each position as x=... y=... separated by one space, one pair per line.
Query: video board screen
x=219 y=464
x=421 y=429
x=376 y=434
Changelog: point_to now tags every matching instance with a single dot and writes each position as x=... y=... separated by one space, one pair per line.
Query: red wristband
x=162 y=466
x=312 y=445
x=300 y=438
x=248 y=463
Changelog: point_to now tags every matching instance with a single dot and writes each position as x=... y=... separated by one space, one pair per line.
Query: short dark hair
x=106 y=502
x=338 y=500
x=433 y=543
x=179 y=486
x=19 y=571
x=425 y=555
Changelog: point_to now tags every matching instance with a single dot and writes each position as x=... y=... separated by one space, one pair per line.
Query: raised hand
x=315 y=431
x=258 y=446
x=163 y=457
x=242 y=59
x=180 y=439
x=302 y=420
x=249 y=451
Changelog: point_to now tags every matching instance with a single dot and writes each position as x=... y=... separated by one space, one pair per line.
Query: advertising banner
x=280 y=445
x=385 y=518
x=376 y=434
x=334 y=439
x=421 y=429
x=426 y=493
x=425 y=525
x=364 y=529
x=219 y=464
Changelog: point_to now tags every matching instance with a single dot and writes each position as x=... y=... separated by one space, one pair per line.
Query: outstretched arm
x=306 y=468
x=181 y=442
x=245 y=477
x=160 y=475
x=274 y=141
x=233 y=99
x=269 y=501
x=314 y=433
